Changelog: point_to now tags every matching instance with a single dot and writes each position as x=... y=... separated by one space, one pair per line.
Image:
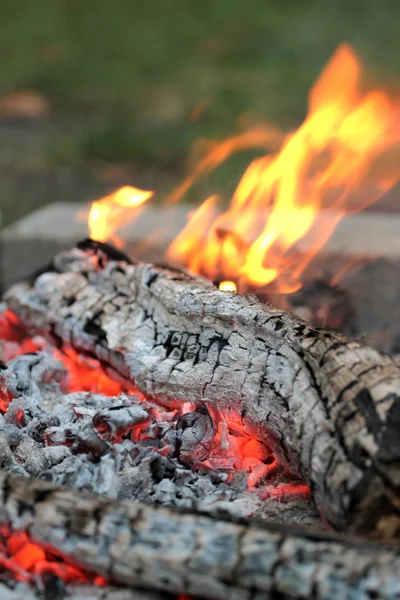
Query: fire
x=109 y=213
x=30 y=562
x=338 y=161
x=304 y=190
x=227 y=286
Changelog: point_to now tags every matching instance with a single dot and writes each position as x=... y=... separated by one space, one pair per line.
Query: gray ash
x=63 y=419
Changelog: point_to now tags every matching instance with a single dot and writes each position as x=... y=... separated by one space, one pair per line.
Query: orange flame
x=287 y=204
x=227 y=286
x=109 y=213
x=304 y=190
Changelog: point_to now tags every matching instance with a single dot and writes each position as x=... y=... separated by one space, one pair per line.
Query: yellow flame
x=227 y=286
x=339 y=152
x=110 y=212
x=338 y=161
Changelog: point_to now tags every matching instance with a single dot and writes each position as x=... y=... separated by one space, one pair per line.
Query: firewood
x=329 y=405
x=123 y=446
x=160 y=548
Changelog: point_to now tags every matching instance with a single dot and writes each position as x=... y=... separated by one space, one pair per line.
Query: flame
x=107 y=214
x=227 y=286
x=338 y=154
x=287 y=204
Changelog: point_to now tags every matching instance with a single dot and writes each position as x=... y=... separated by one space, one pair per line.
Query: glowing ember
x=87 y=375
x=108 y=213
x=227 y=286
x=28 y=561
x=337 y=162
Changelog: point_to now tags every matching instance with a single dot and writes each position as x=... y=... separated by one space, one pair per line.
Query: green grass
x=136 y=69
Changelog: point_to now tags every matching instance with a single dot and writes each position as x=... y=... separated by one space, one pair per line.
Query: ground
x=136 y=83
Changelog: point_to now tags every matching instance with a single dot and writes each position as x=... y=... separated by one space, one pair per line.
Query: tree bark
x=329 y=405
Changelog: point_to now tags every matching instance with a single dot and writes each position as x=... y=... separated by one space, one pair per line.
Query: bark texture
x=329 y=405
x=160 y=548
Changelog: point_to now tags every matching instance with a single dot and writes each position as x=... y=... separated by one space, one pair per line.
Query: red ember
x=26 y=561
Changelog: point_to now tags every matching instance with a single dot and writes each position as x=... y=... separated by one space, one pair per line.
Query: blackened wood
x=329 y=405
x=140 y=545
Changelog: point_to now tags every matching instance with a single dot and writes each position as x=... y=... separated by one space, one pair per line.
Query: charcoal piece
x=54 y=455
x=64 y=435
x=74 y=472
x=166 y=492
x=37 y=427
x=7 y=459
x=162 y=467
x=29 y=454
x=13 y=435
x=169 y=440
x=197 y=435
x=22 y=411
x=88 y=439
x=106 y=477
x=33 y=374
x=117 y=421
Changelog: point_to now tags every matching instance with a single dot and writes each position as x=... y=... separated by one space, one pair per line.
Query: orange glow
x=109 y=213
x=339 y=161
x=28 y=561
x=227 y=286
x=86 y=375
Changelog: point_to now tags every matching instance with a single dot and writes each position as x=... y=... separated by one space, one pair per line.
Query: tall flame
x=330 y=159
x=339 y=161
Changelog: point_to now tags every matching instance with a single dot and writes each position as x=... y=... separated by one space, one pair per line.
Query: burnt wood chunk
x=139 y=545
x=328 y=405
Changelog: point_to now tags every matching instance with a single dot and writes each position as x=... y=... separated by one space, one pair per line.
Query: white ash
x=93 y=442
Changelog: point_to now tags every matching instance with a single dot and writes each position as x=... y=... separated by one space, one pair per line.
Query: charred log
x=144 y=546
x=329 y=405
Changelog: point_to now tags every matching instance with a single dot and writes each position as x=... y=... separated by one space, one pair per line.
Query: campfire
x=158 y=432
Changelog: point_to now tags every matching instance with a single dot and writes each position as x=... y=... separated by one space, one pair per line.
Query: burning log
x=139 y=545
x=328 y=405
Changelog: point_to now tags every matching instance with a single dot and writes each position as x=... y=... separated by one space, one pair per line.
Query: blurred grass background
x=132 y=84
